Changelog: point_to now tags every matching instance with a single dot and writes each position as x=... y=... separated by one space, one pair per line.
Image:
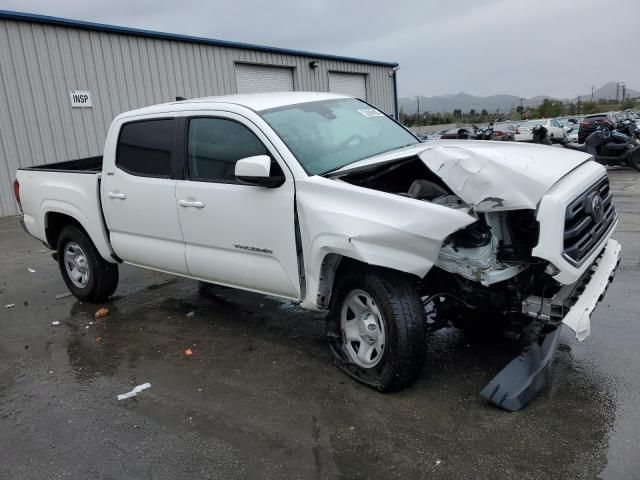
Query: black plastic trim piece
x=525 y=376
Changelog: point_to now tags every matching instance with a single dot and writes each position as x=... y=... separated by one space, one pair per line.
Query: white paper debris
x=190 y=314
x=135 y=391
x=10 y=305
x=56 y=323
x=31 y=270
x=63 y=295
x=42 y=251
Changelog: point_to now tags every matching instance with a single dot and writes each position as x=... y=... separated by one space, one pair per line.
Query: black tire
x=398 y=300
x=634 y=161
x=103 y=276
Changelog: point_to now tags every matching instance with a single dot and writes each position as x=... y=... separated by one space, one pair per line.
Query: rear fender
x=96 y=233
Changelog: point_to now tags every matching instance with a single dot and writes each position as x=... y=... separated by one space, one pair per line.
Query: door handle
x=191 y=203
x=116 y=194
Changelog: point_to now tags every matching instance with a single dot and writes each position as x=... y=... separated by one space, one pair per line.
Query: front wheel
x=88 y=276
x=376 y=327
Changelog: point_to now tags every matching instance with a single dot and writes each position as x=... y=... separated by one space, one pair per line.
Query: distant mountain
x=607 y=91
x=466 y=102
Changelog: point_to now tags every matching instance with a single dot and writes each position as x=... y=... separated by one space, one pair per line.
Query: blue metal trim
x=66 y=22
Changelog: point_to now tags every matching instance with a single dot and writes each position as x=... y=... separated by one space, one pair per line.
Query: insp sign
x=80 y=98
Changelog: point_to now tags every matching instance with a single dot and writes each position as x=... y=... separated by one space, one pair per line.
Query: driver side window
x=214 y=146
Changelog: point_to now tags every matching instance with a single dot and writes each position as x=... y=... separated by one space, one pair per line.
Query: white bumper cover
x=579 y=316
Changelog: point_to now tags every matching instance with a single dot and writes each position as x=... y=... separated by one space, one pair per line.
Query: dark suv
x=591 y=123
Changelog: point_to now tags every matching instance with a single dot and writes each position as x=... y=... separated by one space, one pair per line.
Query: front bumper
x=573 y=304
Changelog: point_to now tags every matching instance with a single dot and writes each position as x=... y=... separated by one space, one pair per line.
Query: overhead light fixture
x=314 y=64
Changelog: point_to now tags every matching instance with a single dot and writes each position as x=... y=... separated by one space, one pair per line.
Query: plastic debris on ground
x=55 y=323
x=102 y=312
x=10 y=305
x=134 y=392
x=63 y=295
x=31 y=270
x=188 y=352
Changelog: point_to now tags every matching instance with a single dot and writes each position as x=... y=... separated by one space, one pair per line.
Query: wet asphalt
x=260 y=398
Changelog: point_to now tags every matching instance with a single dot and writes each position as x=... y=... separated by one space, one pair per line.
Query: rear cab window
x=146 y=148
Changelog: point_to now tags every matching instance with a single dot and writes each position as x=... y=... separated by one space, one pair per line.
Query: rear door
x=237 y=235
x=139 y=196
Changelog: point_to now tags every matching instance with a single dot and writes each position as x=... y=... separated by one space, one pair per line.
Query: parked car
x=591 y=123
x=524 y=133
x=572 y=136
x=504 y=131
x=326 y=201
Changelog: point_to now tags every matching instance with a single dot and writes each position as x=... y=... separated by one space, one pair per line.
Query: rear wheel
x=634 y=161
x=88 y=276
x=377 y=327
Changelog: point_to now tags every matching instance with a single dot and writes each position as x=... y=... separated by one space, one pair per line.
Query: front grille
x=582 y=232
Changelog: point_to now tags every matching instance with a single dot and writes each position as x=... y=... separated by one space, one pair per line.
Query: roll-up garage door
x=352 y=84
x=262 y=78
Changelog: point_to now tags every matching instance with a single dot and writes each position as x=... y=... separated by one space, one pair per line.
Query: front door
x=139 y=197
x=237 y=235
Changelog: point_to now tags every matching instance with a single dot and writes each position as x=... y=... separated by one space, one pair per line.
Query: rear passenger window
x=146 y=148
x=216 y=144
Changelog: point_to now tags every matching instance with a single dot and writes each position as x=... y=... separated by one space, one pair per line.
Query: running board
x=523 y=378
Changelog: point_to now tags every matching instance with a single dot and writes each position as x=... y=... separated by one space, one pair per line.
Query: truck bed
x=55 y=189
x=81 y=165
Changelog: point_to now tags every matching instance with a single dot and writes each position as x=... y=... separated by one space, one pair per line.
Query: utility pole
x=624 y=90
x=521 y=109
x=418 y=99
x=578 y=104
x=617 y=92
x=593 y=87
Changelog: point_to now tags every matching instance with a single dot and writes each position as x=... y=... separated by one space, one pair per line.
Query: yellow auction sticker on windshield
x=370 y=112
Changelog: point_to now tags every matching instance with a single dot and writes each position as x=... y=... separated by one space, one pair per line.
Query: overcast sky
x=481 y=47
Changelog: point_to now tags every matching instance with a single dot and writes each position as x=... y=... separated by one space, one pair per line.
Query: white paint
x=244 y=236
x=258 y=166
x=80 y=98
x=551 y=215
x=579 y=317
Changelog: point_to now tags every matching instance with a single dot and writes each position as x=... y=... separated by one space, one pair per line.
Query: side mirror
x=257 y=171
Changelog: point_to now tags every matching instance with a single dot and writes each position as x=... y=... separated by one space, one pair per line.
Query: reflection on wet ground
x=259 y=396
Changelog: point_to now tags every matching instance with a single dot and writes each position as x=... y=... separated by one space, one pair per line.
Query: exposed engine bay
x=483 y=270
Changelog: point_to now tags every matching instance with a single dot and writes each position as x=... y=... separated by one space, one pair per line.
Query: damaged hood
x=499 y=175
x=491 y=176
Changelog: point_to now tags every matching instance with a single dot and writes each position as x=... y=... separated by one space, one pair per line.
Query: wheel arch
x=56 y=219
x=332 y=266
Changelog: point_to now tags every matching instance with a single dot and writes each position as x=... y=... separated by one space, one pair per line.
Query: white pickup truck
x=323 y=199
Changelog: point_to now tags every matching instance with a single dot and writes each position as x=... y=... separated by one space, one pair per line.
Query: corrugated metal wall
x=40 y=64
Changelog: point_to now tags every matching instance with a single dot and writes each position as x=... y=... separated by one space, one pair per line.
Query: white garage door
x=261 y=78
x=352 y=84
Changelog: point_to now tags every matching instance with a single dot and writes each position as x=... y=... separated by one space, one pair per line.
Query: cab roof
x=254 y=101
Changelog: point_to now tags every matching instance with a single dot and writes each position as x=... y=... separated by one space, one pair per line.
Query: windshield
x=329 y=134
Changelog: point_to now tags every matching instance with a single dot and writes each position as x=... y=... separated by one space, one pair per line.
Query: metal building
x=62 y=81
